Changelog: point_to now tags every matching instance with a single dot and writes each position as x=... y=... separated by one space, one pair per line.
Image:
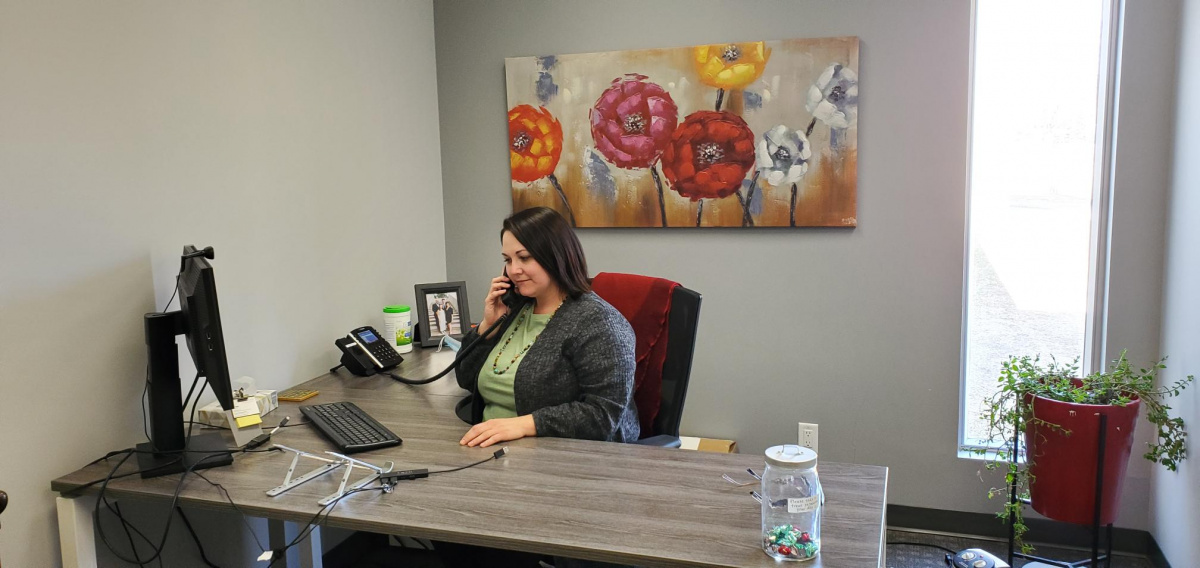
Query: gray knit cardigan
x=577 y=378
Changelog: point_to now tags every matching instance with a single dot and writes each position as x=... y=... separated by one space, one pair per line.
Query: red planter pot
x=1064 y=467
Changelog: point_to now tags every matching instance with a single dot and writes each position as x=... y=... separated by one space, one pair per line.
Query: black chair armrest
x=661 y=441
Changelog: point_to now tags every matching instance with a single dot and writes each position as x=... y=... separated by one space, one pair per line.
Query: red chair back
x=646 y=303
x=666 y=337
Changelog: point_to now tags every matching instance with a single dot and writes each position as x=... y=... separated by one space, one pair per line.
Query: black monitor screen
x=198 y=299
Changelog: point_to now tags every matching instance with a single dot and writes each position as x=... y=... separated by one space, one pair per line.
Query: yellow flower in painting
x=730 y=65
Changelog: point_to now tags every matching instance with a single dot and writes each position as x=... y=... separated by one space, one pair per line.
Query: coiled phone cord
x=458 y=358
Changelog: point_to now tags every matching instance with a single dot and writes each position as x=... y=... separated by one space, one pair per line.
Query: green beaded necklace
x=520 y=320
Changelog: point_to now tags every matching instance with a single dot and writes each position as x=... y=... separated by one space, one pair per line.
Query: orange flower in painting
x=534 y=142
x=730 y=65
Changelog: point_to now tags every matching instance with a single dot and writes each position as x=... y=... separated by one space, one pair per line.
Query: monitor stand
x=204 y=451
x=176 y=452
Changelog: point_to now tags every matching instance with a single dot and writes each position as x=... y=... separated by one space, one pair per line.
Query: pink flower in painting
x=633 y=121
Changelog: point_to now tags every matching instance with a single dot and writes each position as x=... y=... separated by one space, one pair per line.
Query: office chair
x=3 y=501
x=634 y=296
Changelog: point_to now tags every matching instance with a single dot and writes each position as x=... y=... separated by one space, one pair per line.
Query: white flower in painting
x=833 y=99
x=782 y=155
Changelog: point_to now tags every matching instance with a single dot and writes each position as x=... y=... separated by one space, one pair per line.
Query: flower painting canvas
x=758 y=134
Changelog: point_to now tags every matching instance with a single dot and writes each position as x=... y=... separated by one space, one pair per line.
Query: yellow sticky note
x=250 y=420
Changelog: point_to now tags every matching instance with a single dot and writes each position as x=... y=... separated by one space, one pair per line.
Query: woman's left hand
x=498 y=430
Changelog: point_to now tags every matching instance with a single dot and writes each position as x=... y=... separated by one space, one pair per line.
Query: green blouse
x=500 y=368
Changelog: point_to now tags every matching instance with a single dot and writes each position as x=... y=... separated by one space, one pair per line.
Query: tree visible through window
x=1037 y=83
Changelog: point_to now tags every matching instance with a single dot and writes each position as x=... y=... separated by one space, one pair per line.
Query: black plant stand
x=1096 y=558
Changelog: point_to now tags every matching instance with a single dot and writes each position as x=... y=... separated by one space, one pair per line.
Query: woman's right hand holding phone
x=493 y=306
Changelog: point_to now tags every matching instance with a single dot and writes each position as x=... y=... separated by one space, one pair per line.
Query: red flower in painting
x=534 y=142
x=709 y=155
x=632 y=121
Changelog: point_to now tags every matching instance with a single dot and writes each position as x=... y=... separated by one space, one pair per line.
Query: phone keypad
x=384 y=353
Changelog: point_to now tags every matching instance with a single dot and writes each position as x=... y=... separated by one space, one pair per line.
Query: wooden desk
x=595 y=500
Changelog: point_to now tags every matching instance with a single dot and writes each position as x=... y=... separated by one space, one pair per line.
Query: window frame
x=1096 y=315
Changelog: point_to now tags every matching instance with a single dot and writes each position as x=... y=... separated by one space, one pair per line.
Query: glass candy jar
x=791 y=503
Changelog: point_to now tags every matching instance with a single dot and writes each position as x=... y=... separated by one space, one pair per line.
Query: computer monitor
x=199 y=320
x=198 y=300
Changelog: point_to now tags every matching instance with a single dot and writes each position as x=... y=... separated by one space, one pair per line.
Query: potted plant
x=1057 y=414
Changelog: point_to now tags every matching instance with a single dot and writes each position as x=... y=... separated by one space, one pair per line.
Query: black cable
x=288 y=425
x=229 y=498
x=145 y=402
x=457 y=358
x=195 y=380
x=158 y=550
x=922 y=544
x=192 y=419
x=96 y=515
x=127 y=526
x=499 y=454
x=172 y=298
x=112 y=475
x=170 y=516
x=327 y=510
x=108 y=455
x=195 y=538
x=264 y=426
x=132 y=546
x=279 y=554
x=75 y=490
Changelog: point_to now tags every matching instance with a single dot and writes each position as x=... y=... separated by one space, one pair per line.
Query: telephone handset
x=511 y=297
x=365 y=352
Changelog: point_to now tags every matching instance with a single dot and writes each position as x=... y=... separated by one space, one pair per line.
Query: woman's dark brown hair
x=553 y=244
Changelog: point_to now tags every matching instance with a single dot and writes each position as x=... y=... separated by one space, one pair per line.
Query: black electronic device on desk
x=365 y=352
x=349 y=427
x=975 y=558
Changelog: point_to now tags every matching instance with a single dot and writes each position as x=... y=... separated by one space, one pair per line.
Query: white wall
x=302 y=136
x=864 y=334
x=1176 y=497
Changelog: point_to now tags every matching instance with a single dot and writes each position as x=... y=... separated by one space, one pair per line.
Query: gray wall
x=1176 y=520
x=863 y=336
x=1141 y=179
x=306 y=133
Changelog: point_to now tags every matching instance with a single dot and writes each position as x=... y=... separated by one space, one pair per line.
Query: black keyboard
x=349 y=428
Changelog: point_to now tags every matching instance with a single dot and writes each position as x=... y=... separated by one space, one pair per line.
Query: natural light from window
x=1036 y=79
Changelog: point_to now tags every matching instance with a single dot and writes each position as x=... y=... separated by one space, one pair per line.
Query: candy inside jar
x=790 y=543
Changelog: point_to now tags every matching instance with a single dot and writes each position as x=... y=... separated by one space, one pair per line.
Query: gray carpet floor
x=913 y=556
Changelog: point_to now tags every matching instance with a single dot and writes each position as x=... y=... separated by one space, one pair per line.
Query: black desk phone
x=365 y=352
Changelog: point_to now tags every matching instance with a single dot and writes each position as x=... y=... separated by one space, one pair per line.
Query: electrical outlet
x=808 y=436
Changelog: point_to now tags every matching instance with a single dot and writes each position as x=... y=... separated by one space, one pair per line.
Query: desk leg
x=306 y=554
x=76 y=531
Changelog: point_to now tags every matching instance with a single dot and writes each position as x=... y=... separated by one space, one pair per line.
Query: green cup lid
x=397 y=309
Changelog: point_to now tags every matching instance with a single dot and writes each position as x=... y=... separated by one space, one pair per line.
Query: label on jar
x=803 y=504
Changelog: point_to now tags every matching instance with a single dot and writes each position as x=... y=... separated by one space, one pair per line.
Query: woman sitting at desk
x=562 y=364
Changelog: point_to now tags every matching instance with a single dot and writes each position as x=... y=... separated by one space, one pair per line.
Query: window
x=1042 y=75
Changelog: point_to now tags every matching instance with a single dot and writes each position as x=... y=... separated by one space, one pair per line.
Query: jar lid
x=791 y=455
x=397 y=309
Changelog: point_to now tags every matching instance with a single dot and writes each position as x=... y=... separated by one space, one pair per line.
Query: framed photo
x=441 y=311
